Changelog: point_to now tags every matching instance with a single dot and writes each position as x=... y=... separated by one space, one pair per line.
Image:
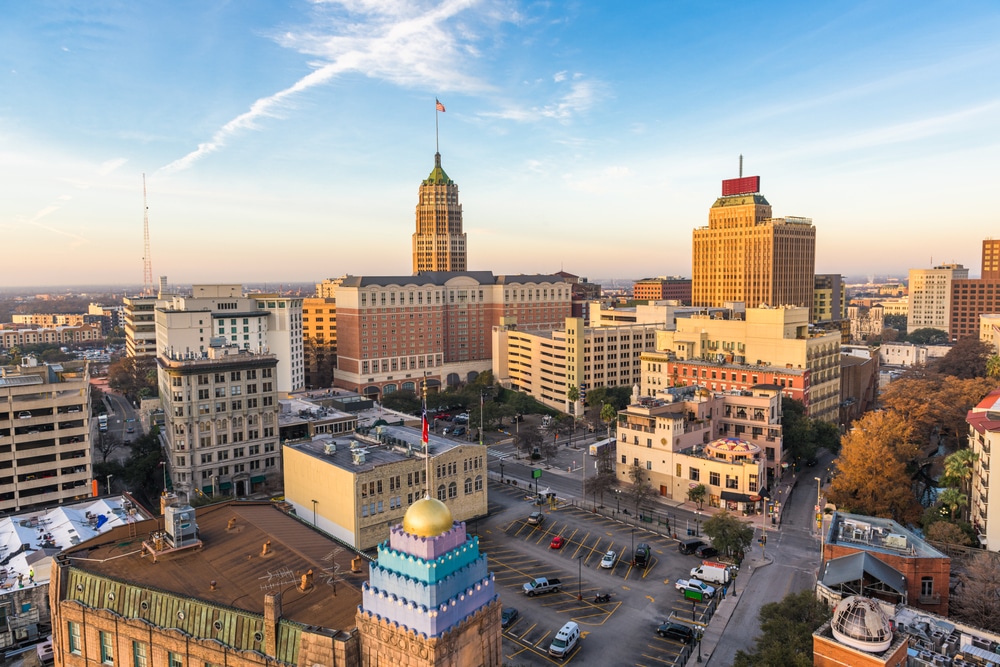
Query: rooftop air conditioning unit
x=330 y=448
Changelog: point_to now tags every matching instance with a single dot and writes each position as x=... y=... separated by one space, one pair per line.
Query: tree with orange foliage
x=873 y=477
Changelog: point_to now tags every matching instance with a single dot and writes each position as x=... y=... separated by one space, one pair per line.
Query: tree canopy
x=966 y=359
x=786 y=632
x=873 y=465
x=928 y=336
x=729 y=534
x=977 y=602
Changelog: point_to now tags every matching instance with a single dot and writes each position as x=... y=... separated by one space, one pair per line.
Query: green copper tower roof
x=438 y=177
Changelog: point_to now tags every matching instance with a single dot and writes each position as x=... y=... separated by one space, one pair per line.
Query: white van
x=565 y=640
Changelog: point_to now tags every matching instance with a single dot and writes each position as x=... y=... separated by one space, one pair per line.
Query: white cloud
x=410 y=44
x=559 y=76
x=109 y=166
x=581 y=97
x=608 y=179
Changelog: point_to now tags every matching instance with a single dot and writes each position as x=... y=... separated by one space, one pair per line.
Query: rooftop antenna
x=147 y=262
x=741 y=165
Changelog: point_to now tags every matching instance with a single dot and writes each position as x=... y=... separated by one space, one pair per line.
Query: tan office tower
x=439 y=242
x=746 y=255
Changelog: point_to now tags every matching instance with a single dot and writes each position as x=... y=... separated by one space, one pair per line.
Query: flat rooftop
x=879 y=535
x=28 y=540
x=396 y=444
x=231 y=557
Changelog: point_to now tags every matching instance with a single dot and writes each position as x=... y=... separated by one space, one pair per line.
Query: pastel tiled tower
x=430 y=600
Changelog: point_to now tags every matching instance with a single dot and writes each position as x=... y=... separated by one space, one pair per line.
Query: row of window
x=106 y=647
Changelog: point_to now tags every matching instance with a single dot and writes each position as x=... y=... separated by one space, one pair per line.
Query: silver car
x=609 y=560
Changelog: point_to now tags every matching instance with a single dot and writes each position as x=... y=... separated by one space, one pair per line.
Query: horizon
x=292 y=139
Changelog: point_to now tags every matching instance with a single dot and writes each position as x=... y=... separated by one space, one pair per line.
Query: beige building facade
x=140 y=326
x=221 y=421
x=730 y=442
x=45 y=449
x=439 y=242
x=319 y=334
x=984 y=432
x=930 y=296
x=767 y=337
x=546 y=364
x=746 y=255
x=356 y=487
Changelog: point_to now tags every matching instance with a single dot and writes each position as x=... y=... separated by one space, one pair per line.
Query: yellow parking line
x=581 y=545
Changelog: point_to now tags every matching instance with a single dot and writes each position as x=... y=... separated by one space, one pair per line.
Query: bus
x=102 y=422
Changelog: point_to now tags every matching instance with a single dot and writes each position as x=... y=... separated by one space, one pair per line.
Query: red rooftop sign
x=741 y=186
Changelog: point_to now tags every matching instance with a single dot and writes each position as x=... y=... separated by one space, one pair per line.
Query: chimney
x=231 y=524
x=272 y=616
x=307 y=581
x=211 y=586
x=266 y=548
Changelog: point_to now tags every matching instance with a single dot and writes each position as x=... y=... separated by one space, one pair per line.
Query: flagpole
x=437 y=147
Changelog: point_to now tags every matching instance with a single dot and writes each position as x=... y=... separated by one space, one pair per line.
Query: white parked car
x=609 y=560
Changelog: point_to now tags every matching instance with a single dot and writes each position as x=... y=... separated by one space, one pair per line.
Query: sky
x=287 y=141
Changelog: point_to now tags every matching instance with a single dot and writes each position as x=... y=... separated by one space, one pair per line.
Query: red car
x=557 y=542
x=443 y=415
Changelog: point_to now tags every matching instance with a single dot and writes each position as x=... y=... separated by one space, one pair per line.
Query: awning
x=853 y=567
x=207 y=489
x=257 y=479
x=225 y=486
x=738 y=497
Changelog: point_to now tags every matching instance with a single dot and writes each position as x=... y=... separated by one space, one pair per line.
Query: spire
x=438 y=176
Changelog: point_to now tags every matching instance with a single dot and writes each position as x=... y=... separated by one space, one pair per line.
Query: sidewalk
x=720 y=620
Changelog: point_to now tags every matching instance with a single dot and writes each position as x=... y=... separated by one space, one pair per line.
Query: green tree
x=897 y=322
x=697 y=494
x=404 y=401
x=978 y=604
x=958 y=468
x=573 y=395
x=608 y=416
x=928 y=336
x=797 y=430
x=729 y=534
x=786 y=632
x=993 y=366
x=952 y=499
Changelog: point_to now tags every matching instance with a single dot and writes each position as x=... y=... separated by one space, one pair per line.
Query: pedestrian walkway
x=497 y=454
x=714 y=631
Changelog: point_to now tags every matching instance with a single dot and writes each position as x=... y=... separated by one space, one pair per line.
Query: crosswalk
x=497 y=454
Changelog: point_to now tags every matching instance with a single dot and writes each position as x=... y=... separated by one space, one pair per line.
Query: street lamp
x=314 y=511
x=819 y=517
x=618 y=499
x=109 y=483
x=501 y=471
x=633 y=546
x=482 y=396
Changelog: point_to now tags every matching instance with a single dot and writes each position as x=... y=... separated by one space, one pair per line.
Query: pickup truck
x=685 y=585
x=541 y=585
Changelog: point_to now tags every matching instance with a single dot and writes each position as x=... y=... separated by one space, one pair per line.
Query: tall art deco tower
x=439 y=242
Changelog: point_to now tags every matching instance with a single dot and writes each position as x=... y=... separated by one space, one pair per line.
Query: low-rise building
x=922 y=572
x=909 y=354
x=298 y=418
x=663 y=287
x=989 y=331
x=22 y=334
x=355 y=487
x=30 y=540
x=731 y=442
x=48 y=319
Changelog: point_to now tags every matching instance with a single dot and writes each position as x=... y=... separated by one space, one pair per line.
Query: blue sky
x=286 y=141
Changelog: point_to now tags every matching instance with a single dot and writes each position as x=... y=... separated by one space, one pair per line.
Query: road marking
x=650 y=598
x=581 y=545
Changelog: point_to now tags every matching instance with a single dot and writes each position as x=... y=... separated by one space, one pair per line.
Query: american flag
x=424 y=435
x=439 y=107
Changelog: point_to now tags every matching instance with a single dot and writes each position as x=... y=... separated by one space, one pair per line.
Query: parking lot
x=620 y=631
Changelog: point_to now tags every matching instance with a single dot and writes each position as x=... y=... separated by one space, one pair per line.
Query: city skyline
x=289 y=143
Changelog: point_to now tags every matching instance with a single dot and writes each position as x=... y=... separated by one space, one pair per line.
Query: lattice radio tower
x=147 y=263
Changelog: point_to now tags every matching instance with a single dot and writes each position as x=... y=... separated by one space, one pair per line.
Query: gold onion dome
x=428 y=517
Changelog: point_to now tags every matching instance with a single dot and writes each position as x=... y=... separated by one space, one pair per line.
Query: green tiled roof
x=740 y=200
x=237 y=629
x=438 y=177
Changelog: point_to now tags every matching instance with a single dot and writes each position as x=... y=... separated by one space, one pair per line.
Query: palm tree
x=958 y=468
x=953 y=499
x=993 y=366
x=608 y=415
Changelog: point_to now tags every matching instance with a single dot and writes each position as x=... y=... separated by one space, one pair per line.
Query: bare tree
x=105 y=444
x=640 y=490
x=977 y=602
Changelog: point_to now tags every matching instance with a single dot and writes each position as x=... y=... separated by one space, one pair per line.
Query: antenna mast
x=147 y=263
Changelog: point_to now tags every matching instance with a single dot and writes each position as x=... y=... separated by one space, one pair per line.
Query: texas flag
x=424 y=436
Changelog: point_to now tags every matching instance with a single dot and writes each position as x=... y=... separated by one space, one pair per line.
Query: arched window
x=441 y=492
x=453 y=490
x=479 y=482
x=468 y=485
